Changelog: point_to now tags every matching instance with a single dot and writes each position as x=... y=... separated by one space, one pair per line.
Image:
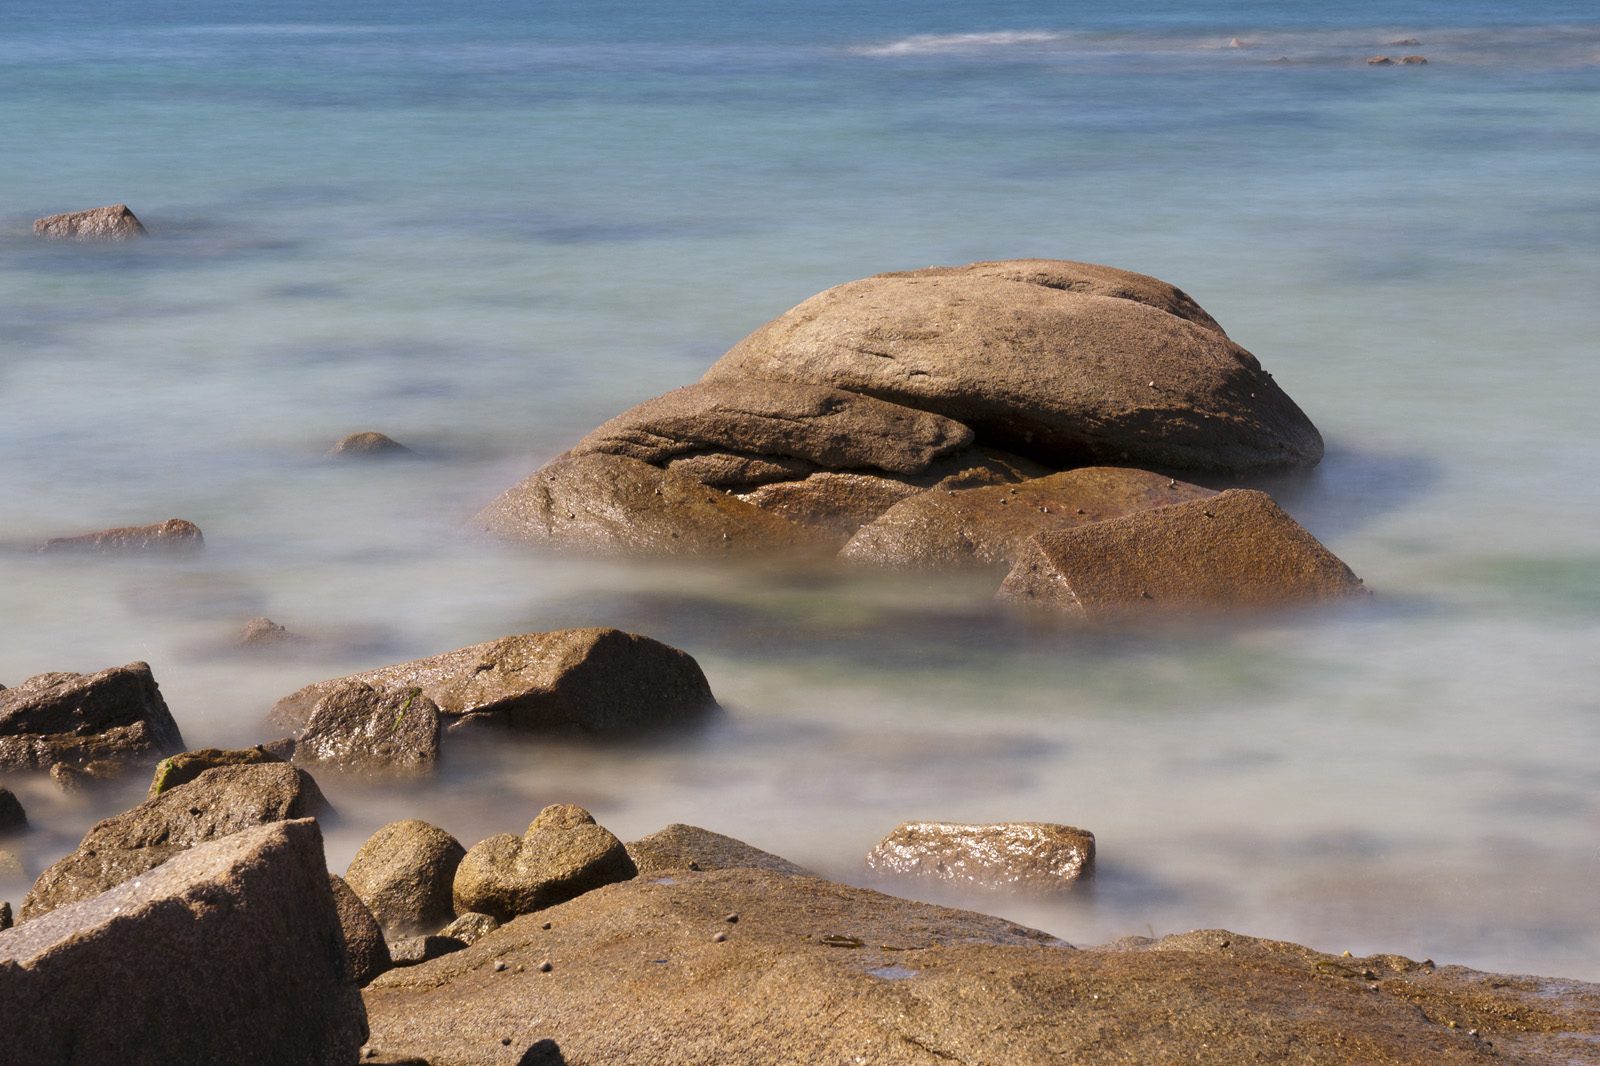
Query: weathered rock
x=577 y=680
x=1067 y=363
x=264 y=632
x=405 y=874
x=230 y=953
x=6 y=921
x=115 y=715
x=358 y=728
x=470 y=928
x=218 y=803
x=93 y=774
x=13 y=819
x=114 y=223
x=1413 y=61
x=1234 y=551
x=688 y=847
x=819 y=972
x=612 y=505
x=185 y=766
x=369 y=444
x=988 y=527
x=1380 y=61
x=414 y=950
x=364 y=945
x=563 y=854
x=1032 y=858
x=174 y=536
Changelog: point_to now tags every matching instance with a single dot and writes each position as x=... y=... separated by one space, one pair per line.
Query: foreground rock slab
x=116 y=715
x=175 y=536
x=654 y=971
x=1031 y=858
x=1236 y=551
x=596 y=680
x=1067 y=363
x=230 y=953
x=114 y=223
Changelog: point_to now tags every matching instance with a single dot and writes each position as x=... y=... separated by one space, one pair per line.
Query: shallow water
x=483 y=234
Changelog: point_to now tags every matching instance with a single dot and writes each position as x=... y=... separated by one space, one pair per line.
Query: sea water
x=483 y=228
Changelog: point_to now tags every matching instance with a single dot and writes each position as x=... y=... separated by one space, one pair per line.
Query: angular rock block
x=359 y=729
x=114 y=223
x=563 y=854
x=115 y=715
x=1029 y=858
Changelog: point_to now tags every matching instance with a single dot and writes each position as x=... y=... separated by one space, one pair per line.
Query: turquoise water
x=484 y=231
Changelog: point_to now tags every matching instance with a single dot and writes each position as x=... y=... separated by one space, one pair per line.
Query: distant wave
x=935 y=44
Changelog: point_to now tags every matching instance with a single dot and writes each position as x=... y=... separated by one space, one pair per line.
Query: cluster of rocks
x=982 y=416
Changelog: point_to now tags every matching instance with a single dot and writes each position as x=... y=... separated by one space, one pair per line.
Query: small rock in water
x=175 y=536
x=1380 y=61
x=1413 y=61
x=369 y=444
x=114 y=223
x=1405 y=41
x=1039 y=858
x=264 y=632
x=12 y=817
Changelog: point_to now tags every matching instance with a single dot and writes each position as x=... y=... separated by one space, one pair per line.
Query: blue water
x=485 y=228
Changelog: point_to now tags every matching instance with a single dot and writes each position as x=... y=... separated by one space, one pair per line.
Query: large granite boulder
x=563 y=854
x=989 y=526
x=405 y=874
x=230 y=953
x=364 y=945
x=651 y=971
x=597 y=680
x=688 y=847
x=218 y=803
x=1030 y=858
x=114 y=223
x=116 y=715
x=175 y=536
x=1067 y=363
x=359 y=729
x=1234 y=551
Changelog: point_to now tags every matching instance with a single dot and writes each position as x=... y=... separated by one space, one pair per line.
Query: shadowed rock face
x=1236 y=551
x=12 y=817
x=811 y=971
x=364 y=945
x=230 y=953
x=1067 y=363
x=115 y=715
x=174 y=536
x=563 y=854
x=1033 y=858
x=114 y=223
x=405 y=874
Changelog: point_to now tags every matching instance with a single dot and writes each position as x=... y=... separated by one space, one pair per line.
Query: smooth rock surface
x=185 y=766
x=13 y=819
x=218 y=803
x=1030 y=858
x=364 y=945
x=596 y=680
x=115 y=715
x=405 y=874
x=368 y=444
x=1070 y=364
x=688 y=847
x=817 y=972
x=174 y=536
x=359 y=729
x=989 y=526
x=114 y=223
x=1236 y=551
x=231 y=953
x=563 y=854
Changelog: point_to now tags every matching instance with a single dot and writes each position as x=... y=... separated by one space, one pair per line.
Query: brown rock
x=1033 y=858
x=563 y=854
x=6 y=921
x=115 y=223
x=405 y=874
x=583 y=680
x=364 y=945
x=1380 y=61
x=12 y=817
x=816 y=972
x=174 y=536
x=368 y=444
x=231 y=953
x=470 y=928
x=988 y=527
x=184 y=767
x=218 y=803
x=414 y=950
x=264 y=632
x=115 y=715
x=1413 y=61
x=1236 y=551
x=1066 y=363
x=688 y=847
x=1403 y=43
x=358 y=728
x=612 y=505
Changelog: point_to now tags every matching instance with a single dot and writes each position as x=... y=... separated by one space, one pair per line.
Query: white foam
x=939 y=44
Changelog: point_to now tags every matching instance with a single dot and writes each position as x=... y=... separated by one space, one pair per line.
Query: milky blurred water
x=484 y=231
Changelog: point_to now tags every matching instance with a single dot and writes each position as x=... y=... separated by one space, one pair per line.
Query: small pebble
x=546 y=925
x=506 y=1041
x=545 y=967
x=499 y=965
x=731 y=918
x=719 y=938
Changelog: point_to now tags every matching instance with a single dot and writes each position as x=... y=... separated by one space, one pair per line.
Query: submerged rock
x=174 y=536
x=264 y=632
x=405 y=874
x=1235 y=551
x=230 y=953
x=116 y=715
x=364 y=945
x=1065 y=363
x=563 y=854
x=114 y=223
x=688 y=847
x=368 y=444
x=578 y=680
x=359 y=729
x=1033 y=858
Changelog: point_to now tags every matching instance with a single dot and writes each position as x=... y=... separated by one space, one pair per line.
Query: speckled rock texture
x=405 y=874
x=644 y=972
x=230 y=953
x=1028 y=858
x=988 y=527
x=116 y=715
x=218 y=803
x=114 y=223
x=364 y=945
x=1070 y=364
x=356 y=728
x=175 y=536
x=572 y=680
x=688 y=847
x=563 y=854
x=185 y=766
x=1237 y=551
